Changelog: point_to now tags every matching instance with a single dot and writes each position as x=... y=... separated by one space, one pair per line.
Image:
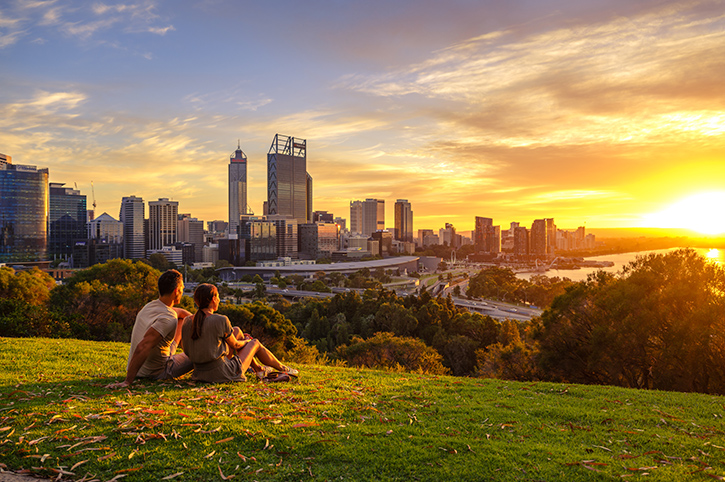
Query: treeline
x=660 y=324
x=100 y=303
x=502 y=284
x=423 y=333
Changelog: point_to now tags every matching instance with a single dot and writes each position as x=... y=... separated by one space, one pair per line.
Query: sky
x=601 y=114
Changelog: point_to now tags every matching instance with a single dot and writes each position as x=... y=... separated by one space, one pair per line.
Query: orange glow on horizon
x=701 y=212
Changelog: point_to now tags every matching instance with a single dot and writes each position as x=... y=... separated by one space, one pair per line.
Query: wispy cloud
x=79 y=20
x=611 y=82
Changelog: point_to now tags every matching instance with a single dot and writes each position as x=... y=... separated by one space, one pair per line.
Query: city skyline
x=604 y=114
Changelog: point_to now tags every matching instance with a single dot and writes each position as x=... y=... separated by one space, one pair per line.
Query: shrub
x=385 y=350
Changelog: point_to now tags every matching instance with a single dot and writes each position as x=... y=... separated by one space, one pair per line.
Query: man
x=156 y=333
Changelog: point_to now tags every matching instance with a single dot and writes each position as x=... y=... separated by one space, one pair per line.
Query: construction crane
x=93 y=192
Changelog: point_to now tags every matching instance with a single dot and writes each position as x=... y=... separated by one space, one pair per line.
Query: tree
x=659 y=325
x=159 y=261
x=264 y=323
x=32 y=286
x=101 y=302
x=260 y=291
x=385 y=350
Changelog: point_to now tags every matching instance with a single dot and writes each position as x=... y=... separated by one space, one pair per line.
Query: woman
x=219 y=352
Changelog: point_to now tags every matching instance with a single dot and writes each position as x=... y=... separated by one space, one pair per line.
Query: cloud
x=609 y=82
x=161 y=30
x=82 y=21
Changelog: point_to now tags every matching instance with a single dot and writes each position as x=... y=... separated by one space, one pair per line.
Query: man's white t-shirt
x=163 y=319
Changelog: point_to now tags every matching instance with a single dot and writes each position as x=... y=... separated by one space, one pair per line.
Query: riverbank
x=618 y=261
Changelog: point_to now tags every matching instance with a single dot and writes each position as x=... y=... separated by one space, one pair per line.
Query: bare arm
x=143 y=349
x=181 y=315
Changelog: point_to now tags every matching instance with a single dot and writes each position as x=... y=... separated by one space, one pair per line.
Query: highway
x=495 y=309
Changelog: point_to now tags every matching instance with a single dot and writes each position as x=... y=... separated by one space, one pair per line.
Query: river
x=619 y=260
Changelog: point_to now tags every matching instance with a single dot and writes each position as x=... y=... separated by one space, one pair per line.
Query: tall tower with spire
x=237 y=189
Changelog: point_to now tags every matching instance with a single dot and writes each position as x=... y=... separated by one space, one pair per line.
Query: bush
x=21 y=319
x=101 y=302
x=264 y=323
x=385 y=350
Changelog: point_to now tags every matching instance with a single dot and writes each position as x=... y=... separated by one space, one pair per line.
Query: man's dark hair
x=169 y=281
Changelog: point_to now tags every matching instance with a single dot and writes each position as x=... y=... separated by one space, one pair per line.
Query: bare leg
x=247 y=352
x=268 y=358
x=239 y=335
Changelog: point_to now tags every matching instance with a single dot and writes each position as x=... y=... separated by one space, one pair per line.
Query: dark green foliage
x=101 y=302
x=385 y=350
x=160 y=262
x=19 y=318
x=660 y=325
x=264 y=323
x=318 y=286
x=502 y=284
x=454 y=333
x=460 y=353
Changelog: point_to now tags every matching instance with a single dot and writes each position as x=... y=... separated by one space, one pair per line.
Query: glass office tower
x=67 y=220
x=23 y=212
x=289 y=187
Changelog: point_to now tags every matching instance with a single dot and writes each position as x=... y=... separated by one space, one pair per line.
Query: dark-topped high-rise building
x=289 y=186
x=237 y=189
x=66 y=220
x=23 y=212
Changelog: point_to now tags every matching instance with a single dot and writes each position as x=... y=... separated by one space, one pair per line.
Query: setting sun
x=701 y=213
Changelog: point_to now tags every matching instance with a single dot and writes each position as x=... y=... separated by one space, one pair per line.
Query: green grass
x=339 y=424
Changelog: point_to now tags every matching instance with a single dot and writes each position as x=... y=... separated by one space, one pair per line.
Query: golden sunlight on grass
x=701 y=213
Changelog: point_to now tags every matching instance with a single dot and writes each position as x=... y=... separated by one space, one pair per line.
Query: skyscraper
x=23 y=212
x=286 y=228
x=163 y=218
x=356 y=217
x=403 y=221
x=66 y=220
x=132 y=217
x=237 y=189
x=542 y=241
x=105 y=241
x=367 y=216
x=289 y=186
x=191 y=230
x=487 y=237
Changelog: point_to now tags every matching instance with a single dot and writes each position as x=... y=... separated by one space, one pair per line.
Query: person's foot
x=290 y=371
x=263 y=372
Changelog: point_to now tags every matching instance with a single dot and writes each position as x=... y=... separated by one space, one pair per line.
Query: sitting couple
x=216 y=351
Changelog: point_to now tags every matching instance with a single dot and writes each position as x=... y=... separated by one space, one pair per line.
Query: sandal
x=293 y=372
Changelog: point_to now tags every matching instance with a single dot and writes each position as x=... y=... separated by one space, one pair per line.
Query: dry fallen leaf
x=222 y=474
x=169 y=477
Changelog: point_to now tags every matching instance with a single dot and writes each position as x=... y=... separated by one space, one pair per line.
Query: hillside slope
x=56 y=417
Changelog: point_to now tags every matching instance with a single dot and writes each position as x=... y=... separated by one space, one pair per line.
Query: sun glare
x=702 y=213
x=713 y=254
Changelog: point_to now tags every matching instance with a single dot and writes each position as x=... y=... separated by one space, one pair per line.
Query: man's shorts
x=176 y=366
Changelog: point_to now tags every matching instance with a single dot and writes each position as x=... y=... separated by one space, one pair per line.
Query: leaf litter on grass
x=373 y=424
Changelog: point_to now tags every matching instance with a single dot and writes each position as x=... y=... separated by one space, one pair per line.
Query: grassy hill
x=337 y=423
